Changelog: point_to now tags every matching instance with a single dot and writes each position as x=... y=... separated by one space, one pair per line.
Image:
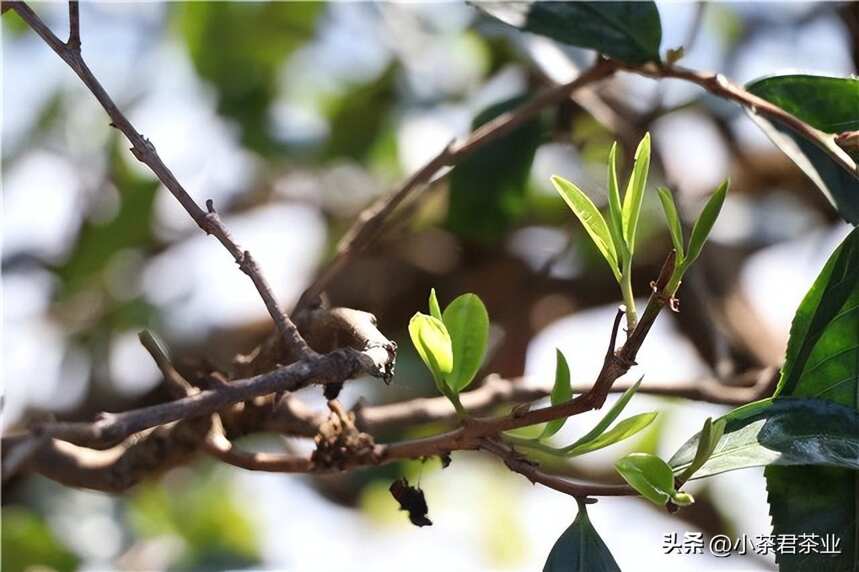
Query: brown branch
x=719 y=85
x=112 y=428
x=532 y=472
x=74 y=42
x=145 y=152
x=369 y=223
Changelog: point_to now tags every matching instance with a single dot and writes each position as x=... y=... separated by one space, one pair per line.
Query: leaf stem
x=628 y=299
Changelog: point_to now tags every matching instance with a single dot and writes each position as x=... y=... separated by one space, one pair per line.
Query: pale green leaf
x=634 y=197
x=615 y=210
x=623 y=430
x=435 y=310
x=432 y=342
x=649 y=475
x=591 y=219
x=609 y=417
x=705 y=222
x=562 y=391
x=673 y=220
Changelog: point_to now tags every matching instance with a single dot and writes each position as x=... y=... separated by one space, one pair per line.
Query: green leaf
x=623 y=430
x=828 y=104
x=609 y=417
x=649 y=475
x=432 y=342
x=615 y=219
x=580 y=548
x=822 y=358
x=467 y=322
x=705 y=223
x=673 y=220
x=628 y=31
x=708 y=438
x=562 y=391
x=822 y=361
x=591 y=219
x=434 y=308
x=786 y=431
x=487 y=191
x=634 y=197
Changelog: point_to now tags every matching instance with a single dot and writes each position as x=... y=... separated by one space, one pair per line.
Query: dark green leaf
x=591 y=219
x=673 y=220
x=822 y=361
x=623 y=430
x=467 y=322
x=649 y=475
x=705 y=223
x=562 y=391
x=580 y=549
x=628 y=31
x=787 y=431
x=828 y=104
x=634 y=197
x=487 y=188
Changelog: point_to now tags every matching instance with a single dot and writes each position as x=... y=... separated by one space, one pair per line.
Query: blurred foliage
x=100 y=240
x=28 y=543
x=203 y=510
x=487 y=188
x=358 y=117
x=239 y=47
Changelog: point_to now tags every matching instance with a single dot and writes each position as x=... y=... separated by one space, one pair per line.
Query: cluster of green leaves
x=807 y=434
x=615 y=239
x=600 y=436
x=452 y=343
x=687 y=254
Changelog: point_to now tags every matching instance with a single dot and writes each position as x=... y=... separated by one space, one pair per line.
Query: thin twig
x=532 y=472
x=74 y=42
x=145 y=152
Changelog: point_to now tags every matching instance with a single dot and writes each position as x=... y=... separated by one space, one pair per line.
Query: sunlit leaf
x=467 y=322
x=580 y=548
x=614 y=411
x=615 y=210
x=434 y=308
x=649 y=475
x=708 y=439
x=634 y=197
x=561 y=391
x=628 y=31
x=705 y=222
x=673 y=220
x=591 y=219
x=623 y=430
x=433 y=344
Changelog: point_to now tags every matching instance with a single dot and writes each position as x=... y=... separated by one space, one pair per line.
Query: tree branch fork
x=118 y=449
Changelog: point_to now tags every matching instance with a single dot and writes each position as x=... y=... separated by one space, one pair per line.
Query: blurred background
x=292 y=117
